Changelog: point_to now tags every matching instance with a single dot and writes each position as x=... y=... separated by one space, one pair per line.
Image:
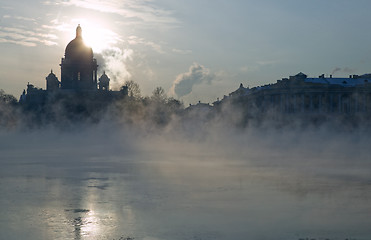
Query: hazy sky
x=195 y=50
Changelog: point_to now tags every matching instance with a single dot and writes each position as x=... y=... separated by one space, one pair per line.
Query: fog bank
x=183 y=177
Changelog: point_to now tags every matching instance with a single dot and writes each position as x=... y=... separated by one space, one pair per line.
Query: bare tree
x=159 y=94
x=133 y=89
x=8 y=110
x=7 y=98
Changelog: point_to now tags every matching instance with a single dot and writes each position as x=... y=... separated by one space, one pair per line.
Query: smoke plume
x=197 y=74
x=344 y=69
x=115 y=62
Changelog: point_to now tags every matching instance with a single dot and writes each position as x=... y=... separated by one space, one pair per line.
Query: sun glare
x=97 y=36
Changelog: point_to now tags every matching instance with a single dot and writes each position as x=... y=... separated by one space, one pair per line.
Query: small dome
x=76 y=49
x=51 y=74
x=104 y=78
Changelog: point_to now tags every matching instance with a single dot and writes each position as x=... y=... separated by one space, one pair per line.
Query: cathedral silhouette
x=78 y=76
x=78 y=67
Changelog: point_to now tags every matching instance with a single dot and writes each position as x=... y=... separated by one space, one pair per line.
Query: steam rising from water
x=142 y=168
x=211 y=182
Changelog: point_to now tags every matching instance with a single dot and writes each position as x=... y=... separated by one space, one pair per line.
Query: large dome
x=78 y=67
x=76 y=49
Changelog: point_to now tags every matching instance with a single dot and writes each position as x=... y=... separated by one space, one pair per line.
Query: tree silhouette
x=133 y=89
x=8 y=110
x=159 y=95
x=7 y=98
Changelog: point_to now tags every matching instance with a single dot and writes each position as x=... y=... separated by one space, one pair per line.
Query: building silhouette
x=300 y=94
x=52 y=82
x=78 y=67
x=104 y=82
x=78 y=77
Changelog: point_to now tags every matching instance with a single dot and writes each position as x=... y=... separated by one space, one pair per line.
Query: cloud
x=26 y=38
x=257 y=65
x=144 y=11
x=181 y=51
x=246 y=69
x=22 y=43
x=56 y=25
x=184 y=82
x=134 y=40
x=19 y=18
x=24 y=31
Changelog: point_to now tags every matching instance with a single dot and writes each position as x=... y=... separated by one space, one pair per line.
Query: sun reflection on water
x=90 y=225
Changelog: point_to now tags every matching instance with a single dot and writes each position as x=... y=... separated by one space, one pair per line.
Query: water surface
x=80 y=186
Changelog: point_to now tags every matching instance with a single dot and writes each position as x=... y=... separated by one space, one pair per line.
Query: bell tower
x=52 y=83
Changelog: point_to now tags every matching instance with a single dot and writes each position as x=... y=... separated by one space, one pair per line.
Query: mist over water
x=193 y=180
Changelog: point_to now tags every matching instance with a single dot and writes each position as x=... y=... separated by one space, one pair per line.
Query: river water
x=255 y=186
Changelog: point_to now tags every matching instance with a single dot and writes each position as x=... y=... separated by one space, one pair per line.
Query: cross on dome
x=78 y=32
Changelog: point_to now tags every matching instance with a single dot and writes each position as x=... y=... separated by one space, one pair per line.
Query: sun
x=94 y=38
x=97 y=37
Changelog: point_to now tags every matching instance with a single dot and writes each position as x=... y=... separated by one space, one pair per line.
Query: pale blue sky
x=199 y=50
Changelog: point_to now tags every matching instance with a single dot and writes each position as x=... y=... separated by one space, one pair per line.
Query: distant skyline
x=195 y=50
